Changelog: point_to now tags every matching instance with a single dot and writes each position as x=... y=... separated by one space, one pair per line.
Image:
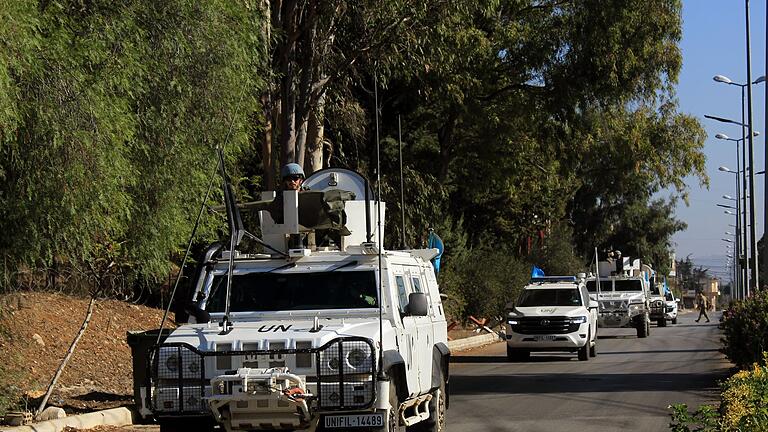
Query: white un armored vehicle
x=553 y=313
x=622 y=291
x=327 y=332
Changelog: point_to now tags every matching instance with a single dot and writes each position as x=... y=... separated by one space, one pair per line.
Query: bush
x=743 y=406
x=482 y=280
x=745 y=327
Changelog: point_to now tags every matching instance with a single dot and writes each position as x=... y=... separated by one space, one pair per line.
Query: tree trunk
x=286 y=52
x=316 y=137
x=266 y=143
x=306 y=103
x=71 y=350
x=267 y=101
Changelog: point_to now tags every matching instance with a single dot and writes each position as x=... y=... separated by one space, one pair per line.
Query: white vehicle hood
x=550 y=311
x=259 y=334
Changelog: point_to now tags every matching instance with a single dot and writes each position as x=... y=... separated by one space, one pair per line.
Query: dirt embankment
x=36 y=330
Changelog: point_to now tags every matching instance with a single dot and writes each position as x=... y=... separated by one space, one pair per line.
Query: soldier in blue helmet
x=292 y=176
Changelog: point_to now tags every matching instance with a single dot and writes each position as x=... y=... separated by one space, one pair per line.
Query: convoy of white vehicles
x=326 y=330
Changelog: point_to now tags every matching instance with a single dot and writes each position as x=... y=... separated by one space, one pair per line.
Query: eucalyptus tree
x=111 y=113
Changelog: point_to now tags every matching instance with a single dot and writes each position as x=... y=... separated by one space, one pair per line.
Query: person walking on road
x=701 y=302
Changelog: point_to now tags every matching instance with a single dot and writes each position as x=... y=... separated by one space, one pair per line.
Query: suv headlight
x=578 y=320
x=172 y=363
x=513 y=321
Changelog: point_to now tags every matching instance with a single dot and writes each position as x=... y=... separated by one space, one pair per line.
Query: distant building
x=710 y=286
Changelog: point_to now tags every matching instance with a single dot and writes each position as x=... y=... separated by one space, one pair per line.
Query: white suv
x=672 y=302
x=553 y=313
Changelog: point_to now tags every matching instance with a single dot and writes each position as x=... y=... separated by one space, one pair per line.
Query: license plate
x=545 y=338
x=354 y=420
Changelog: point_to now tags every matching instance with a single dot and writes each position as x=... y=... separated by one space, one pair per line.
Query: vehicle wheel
x=516 y=355
x=437 y=406
x=662 y=322
x=642 y=329
x=584 y=352
x=593 y=350
x=674 y=320
x=393 y=415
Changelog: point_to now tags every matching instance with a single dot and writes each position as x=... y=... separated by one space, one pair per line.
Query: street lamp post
x=750 y=194
x=741 y=225
x=741 y=239
x=744 y=125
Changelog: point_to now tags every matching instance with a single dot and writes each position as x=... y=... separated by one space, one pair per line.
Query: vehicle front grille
x=342 y=372
x=545 y=325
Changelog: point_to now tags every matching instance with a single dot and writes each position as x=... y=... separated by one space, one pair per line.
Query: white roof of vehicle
x=552 y=285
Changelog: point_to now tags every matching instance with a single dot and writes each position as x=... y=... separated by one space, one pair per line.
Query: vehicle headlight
x=513 y=322
x=578 y=320
x=358 y=358
x=333 y=363
x=172 y=363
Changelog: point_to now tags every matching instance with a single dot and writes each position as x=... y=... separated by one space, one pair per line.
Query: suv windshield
x=605 y=285
x=628 y=285
x=550 y=297
x=267 y=292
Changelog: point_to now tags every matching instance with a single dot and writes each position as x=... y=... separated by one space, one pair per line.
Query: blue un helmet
x=291 y=169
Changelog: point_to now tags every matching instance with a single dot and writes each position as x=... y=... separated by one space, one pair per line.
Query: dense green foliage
x=111 y=114
x=533 y=131
x=745 y=328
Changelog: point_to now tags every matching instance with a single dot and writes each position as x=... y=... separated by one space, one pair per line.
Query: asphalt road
x=627 y=387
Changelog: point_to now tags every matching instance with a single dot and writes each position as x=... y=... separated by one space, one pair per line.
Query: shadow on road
x=664 y=351
x=535 y=358
x=616 y=336
x=584 y=383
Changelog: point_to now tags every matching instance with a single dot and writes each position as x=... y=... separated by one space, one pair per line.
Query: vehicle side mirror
x=417 y=304
x=201 y=316
x=593 y=304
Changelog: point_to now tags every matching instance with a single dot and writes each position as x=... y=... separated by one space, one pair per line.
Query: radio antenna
x=402 y=189
x=378 y=223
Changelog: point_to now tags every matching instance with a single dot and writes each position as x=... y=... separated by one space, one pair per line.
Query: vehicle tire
x=593 y=350
x=674 y=320
x=437 y=406
x=584 y=352
x=516 y=355
x=393 y=415
x=642 y=329
x=661 y=323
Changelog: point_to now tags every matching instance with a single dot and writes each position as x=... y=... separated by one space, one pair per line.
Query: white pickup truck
x=553 y=313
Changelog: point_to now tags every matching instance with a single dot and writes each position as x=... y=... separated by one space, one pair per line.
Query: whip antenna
x=402 y=189
x=378 y=224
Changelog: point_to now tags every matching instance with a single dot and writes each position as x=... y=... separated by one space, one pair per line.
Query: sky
x=714 y=43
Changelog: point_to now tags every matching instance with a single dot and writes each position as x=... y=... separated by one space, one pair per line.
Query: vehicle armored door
x=407 y=331
x=424 y=335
